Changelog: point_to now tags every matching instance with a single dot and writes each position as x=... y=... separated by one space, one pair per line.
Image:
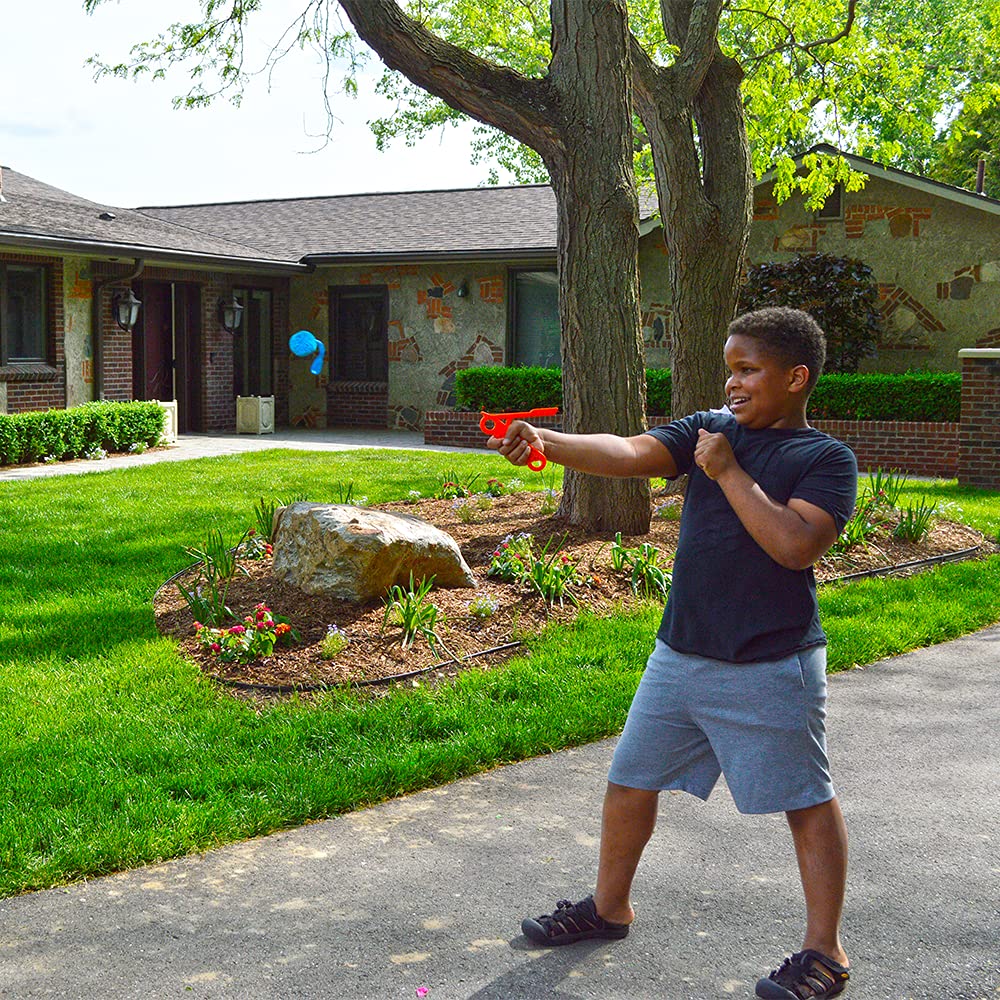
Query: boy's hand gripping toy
x=302 y=344
x=497 y=424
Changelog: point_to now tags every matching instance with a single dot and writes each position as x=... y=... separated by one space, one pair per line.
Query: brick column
x=979 y=432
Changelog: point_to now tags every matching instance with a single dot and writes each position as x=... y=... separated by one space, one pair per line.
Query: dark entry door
x=360 y=332
x=166 y=349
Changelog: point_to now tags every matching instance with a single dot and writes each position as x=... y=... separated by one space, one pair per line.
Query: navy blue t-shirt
x=729 y=599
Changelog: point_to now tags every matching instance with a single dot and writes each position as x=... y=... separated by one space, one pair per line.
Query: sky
x=121 y=142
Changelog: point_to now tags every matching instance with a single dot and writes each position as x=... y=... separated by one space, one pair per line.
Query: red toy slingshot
x=497 y=424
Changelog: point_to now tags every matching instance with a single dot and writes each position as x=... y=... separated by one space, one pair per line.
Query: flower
x=237 y=630
x=282 y=628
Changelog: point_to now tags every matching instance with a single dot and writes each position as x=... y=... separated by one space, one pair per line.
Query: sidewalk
x=427 y=891
x=206 y=445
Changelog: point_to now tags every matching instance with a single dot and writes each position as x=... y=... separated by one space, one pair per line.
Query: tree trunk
x=603 y=362
x=705 y=194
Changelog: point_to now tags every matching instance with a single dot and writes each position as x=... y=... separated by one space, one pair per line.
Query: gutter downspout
x=95 y=321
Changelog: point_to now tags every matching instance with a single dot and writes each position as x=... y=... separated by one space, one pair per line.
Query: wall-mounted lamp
x=125 y=307
x=231 y=314
x=463 y=289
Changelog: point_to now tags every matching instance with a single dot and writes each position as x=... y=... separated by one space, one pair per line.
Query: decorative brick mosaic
x=481 y=352
x=401 y=347
x=433 y=297
x=894 y=299
x=406 y=418
x=656 y=325
x=800 y=238
x=765 y=210
x=902 y=221
x=390 y=275
x=491 y=289
x=960 y=286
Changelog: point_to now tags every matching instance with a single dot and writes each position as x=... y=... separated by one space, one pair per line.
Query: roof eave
x=91 y=247
x=382 y=257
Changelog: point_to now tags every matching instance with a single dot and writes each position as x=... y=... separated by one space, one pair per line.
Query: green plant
x=915 y=521
x=647 y=578
x=840 y=293
x=253 y=639
x=495 y=487
x=512 y=558
x=455 y=486
x=344 y=492
x=862 y=525
x=483 y=607
x=885 y=487
x=879 y=396
x=334 y=643
x=553 y=577
x=217 y=566
x=414 y=613
x=263 y=514
x=254 y=546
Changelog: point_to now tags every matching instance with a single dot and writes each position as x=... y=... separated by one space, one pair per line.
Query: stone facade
x=937 y=262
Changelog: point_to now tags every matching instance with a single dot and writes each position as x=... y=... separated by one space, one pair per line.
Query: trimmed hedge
x=929 y=396
x=500 y=390
x=73 y=433
x=925 y=396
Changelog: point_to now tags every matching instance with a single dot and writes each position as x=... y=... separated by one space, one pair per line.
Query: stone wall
x=937 y=263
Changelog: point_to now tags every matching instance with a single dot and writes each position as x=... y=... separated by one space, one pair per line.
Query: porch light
x=125 y=307
x=231 y=314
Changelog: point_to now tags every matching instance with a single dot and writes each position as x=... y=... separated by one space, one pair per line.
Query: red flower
x=215 y=647
x=251 y=532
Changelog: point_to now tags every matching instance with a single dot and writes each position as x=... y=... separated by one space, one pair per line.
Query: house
x=405 y=289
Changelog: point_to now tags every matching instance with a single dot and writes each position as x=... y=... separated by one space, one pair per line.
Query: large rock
x=357 y=553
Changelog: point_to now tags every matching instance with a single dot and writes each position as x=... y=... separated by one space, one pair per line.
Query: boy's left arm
x=794 y=535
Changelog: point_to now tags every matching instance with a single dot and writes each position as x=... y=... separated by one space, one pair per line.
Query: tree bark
x=578 y=119
x=604 y=377
x=701 y=159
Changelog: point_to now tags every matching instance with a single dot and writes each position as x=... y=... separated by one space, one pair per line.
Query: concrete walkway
x=427 y=891
x=207 y=445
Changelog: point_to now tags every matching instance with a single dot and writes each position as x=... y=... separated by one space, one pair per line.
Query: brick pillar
x=979 y=432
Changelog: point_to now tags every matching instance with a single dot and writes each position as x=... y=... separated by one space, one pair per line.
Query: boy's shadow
x=540 y=978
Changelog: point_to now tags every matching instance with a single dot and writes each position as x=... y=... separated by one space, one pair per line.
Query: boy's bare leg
x=821 y=848
x=627 y=824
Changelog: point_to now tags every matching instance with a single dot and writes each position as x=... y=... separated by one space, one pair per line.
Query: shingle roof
x=32 y=209
x=500 y=220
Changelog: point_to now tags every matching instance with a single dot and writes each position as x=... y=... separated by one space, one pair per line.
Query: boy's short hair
x=790 y=335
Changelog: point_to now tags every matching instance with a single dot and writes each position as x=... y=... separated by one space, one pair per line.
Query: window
x=22 y=314
x=534 y=319
x=359 y=333
x=833 y=207
x=254 y=344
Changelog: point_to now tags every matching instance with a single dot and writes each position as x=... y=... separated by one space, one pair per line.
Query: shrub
x=81 y=430
x=875 y=396
x=840 y=293
x=501 y=390
x=929 y=396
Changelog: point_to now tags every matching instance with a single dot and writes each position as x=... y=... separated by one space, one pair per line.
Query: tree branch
x=524 y=108
x=700 y=44
x=805 y=47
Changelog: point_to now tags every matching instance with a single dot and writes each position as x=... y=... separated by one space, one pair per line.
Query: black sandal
x=807 y=975
x=571 y=922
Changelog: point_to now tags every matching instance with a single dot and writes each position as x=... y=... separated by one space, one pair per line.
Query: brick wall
x=920 y=449
x=979 y=437
x=357 y=404
x=41 y=386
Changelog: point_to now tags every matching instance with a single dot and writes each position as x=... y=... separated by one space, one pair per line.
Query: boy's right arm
x=641 y=456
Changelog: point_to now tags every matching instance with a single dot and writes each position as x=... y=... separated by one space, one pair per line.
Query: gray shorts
x=761 y=724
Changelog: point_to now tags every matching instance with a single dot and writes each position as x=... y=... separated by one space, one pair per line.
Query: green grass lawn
x=115 y=752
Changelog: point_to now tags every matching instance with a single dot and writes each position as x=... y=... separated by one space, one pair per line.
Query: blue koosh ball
x=303 y=343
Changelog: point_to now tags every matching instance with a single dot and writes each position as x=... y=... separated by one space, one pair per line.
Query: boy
x=737 y=681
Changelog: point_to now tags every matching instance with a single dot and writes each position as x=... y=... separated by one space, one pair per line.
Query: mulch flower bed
x=371 y=656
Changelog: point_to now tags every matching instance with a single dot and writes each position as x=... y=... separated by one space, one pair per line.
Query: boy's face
x=763 y=391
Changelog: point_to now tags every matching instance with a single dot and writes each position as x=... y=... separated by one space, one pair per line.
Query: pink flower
x=198 y=626
x=237 y=630
x=215 y=647
x=261 y=626
x=422 y=991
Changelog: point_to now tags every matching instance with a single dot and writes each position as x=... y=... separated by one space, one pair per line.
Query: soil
x=372 y=657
